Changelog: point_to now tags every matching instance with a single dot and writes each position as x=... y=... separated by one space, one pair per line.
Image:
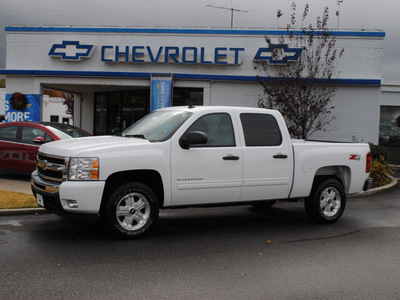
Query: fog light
x=72 y=204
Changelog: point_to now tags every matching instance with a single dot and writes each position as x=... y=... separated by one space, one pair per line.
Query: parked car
x=20 y=142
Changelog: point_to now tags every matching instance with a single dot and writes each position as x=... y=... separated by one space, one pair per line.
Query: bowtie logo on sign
x=71 y=50
x=275 y=54
x=278 y=54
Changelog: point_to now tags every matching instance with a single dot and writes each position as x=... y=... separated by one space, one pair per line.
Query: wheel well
x=149 y=177
x=341 y=173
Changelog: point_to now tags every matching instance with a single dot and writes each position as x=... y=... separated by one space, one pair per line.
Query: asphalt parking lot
x=209 y=253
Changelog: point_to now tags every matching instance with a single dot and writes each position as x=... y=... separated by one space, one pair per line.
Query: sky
x=354 y=15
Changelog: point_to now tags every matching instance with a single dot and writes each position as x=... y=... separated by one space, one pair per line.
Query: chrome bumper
x=44 y=186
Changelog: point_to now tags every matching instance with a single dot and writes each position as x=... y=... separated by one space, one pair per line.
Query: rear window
x=260 y=130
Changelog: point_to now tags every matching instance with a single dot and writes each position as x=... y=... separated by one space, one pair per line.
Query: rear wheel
x=327 y=201
x=131 y=211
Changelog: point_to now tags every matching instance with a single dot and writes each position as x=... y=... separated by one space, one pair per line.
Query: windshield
x=61 y=130
x=157 y=126
x=61 y=135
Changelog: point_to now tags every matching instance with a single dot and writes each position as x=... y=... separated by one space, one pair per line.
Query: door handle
x=280 y=155
x=230 y=157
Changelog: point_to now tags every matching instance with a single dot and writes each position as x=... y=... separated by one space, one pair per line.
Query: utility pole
x=231 y=9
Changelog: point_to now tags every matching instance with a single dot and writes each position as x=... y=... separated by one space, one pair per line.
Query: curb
x=22 y=211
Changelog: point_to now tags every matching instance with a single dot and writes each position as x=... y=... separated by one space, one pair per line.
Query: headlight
x=83 y=168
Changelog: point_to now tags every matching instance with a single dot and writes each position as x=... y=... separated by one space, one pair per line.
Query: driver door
x=211 y=172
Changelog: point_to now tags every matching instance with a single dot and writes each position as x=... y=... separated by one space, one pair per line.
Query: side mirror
x=39 y=140
x=193 y=138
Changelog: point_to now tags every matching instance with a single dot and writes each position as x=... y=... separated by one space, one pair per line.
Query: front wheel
x=131 y=210
x=327 y=201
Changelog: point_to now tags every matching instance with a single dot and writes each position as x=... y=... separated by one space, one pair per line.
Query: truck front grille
x=51 y=167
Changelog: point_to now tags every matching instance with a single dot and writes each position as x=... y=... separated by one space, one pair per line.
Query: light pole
x=338 y=12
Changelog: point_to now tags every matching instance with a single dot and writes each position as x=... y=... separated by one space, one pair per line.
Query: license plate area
x=39 y=200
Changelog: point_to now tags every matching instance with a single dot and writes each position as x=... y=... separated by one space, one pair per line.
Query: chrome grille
x=51 y=167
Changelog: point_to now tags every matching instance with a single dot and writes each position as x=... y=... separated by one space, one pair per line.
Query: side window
x=218 y=128
x=29 y=133
x=8 y=133
x=260 y=130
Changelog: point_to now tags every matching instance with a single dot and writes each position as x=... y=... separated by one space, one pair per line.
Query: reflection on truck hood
x=74 y=147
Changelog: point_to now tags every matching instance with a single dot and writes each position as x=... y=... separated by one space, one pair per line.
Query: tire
x=131 y=210
x=327 y=202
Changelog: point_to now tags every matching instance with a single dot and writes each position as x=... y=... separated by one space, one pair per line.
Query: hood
x=95 y=144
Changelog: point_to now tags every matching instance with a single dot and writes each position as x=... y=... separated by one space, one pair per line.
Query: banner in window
x=20 y=107
x=160 y=91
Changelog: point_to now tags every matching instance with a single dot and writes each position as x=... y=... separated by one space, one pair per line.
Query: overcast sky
x=354 y=14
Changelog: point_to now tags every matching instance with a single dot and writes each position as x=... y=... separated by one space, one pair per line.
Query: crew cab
x=196 y=156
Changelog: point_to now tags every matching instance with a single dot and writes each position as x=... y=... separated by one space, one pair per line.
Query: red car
x=20 y=142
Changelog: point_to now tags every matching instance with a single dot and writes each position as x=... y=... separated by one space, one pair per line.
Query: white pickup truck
x=196 y=156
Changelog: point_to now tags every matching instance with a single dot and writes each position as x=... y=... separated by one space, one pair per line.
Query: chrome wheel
x=133 y=211
x=326 y=202
x=330 y=201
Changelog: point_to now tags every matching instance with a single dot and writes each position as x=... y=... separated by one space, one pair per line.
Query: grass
x=10 y=200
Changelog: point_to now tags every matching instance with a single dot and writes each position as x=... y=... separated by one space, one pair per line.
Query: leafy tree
x=303 y=89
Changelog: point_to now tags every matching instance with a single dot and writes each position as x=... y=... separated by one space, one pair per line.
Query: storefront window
x=389 y=131
x=100 y=126
x=116 y=111
x=187 y=96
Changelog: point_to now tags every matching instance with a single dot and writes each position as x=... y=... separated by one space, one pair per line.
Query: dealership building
x=117 y=75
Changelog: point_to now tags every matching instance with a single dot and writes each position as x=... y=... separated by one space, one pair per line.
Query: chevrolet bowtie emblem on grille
x=42 y=164
x=71 y=50
x=277 y=54
x=46 y=166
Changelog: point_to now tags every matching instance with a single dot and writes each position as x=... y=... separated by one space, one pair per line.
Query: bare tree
x=298 y=78
x=69 y=102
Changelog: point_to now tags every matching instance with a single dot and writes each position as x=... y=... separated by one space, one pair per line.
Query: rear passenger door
x=9 y=148
x=267 y=158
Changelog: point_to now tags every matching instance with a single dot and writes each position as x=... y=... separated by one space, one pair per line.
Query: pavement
x=15 y=183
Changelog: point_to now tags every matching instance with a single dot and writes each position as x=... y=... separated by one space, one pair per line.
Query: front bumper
x=69 y=197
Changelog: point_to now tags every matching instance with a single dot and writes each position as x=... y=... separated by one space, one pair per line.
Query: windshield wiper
x=138 y=136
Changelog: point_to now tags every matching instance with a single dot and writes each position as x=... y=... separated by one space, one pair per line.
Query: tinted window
x=218 y=128
x=8 y=133
x=260 y=130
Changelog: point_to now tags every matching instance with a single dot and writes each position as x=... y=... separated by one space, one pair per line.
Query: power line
x=231 y=9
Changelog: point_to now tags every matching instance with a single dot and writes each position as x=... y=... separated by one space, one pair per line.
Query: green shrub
x=378 y=151
x=379 y=171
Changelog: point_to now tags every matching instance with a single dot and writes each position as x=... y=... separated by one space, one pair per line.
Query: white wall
x=52 y=106
x=357 y=104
